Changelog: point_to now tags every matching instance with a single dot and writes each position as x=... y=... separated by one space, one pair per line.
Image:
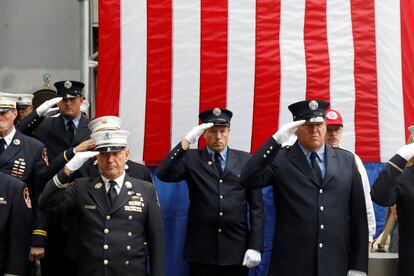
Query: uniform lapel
x=208 y=163
x=12 y=149
x=231 y=162
x=98 y=192
x=82 y=131
x=298 y=159
x=123 y=196
x=59 y=128
x=331 y=164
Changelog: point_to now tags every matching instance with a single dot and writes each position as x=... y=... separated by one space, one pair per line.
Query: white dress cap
x=7 y=101
x=104 y=123
x=110 y=140
x=24 y=99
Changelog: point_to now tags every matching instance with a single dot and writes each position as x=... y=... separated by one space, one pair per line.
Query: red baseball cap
x=333 y=117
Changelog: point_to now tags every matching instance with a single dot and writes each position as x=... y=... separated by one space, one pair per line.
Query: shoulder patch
x=26 y=197
x=44 y=156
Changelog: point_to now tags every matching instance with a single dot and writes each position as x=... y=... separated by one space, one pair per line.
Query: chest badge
x=98 y=186
x=16 y=142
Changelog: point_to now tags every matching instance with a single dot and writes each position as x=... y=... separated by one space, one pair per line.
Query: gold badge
x=16 y=142
x=27 y=198
x=98 y=186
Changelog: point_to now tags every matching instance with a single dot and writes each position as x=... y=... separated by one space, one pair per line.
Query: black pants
x=198 y=269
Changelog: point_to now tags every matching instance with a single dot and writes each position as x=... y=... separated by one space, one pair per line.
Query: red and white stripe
x=161 y=62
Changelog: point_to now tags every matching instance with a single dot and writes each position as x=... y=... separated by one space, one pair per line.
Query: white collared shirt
x=9 y=137
x=119 y=181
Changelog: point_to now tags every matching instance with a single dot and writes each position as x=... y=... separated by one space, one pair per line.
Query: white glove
x=52 y=112
x=287 y=130
x=192 y=136
x=79 y=159
x=44 y=107
x=356 y=273
x=406 y=151
x=252 y=258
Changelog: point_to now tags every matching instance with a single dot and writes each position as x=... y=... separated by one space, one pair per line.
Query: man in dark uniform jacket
x=219 y=239
x=116 y=213
x=394 y=185
x=63 y=135
x=321 y=225
x=16 y=220
x=24 y=158
x=90 y=168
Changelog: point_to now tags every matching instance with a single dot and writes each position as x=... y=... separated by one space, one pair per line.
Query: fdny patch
x=44 y=157
x=26 y=197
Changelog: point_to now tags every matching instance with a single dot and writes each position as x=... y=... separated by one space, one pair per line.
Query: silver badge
x=216 y=111
x=98 y=186
x=210 y=163
x=313 y=105
x=128 y=185
x=68 y=84
x=16 y=142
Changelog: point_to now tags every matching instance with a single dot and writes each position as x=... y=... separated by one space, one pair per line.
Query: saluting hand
x=79 y=159
x=47 y=105
x=287 y=130
x=193 y=135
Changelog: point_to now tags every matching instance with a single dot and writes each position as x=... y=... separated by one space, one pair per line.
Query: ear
x=126 y=154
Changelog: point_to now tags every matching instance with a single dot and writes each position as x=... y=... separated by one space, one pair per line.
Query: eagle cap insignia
x=107 y=136
x=216 y=111
x=68 y=84
x=313 y=105
x=16 y=142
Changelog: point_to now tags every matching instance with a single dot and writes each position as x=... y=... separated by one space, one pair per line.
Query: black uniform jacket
x=52 y=132
x=321 y=229
x=394 y=185
x=25 y=158
x=111 y=239
x=15 y=225
x=217 y=228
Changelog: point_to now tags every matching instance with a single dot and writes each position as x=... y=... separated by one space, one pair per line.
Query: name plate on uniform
x=91 y=207
x=383 y=264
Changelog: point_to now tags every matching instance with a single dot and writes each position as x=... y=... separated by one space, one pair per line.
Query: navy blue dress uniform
x=15 y=225
x=218 y=232
x=26 y=159
x=394 y=186
x=53 y=133
x=112 y=238
x=115 y=235
x=321 y=227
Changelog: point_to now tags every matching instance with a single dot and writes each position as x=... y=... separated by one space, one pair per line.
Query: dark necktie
x=112 y=194
x=315 y=166
x=2 y=143
x=71 y=130
x=217 y=163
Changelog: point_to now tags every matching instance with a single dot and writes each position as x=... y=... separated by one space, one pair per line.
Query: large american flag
x=161 y=62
